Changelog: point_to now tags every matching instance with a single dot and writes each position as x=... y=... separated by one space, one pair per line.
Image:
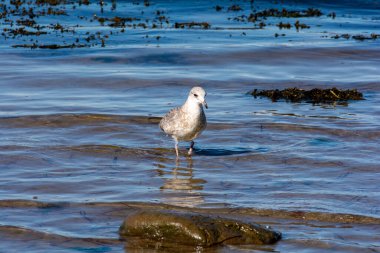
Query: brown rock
x=195 y=229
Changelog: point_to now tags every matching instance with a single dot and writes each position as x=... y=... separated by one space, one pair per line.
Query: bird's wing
x=169 y=122
x=169 y=119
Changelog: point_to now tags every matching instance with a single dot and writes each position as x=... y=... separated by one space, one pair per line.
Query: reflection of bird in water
x=185 y=123
x=185 y=188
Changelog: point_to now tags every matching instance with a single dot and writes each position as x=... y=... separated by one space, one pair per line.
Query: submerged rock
x=314 y=95
x=195 y=229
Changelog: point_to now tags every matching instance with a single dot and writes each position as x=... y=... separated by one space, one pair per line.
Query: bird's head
x=198 y=94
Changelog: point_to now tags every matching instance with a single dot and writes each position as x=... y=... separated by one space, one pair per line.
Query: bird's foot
x=191 y=148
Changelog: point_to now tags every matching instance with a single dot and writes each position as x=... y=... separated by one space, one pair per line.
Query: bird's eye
x=196 y=95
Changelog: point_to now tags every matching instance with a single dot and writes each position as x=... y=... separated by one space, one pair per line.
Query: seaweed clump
x=235 y=7
x=203 y=25
x=313 y=95
x=49 y=46
x=284 y=13
x=358 y=37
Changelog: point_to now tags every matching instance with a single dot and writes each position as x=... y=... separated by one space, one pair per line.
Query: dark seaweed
x=203 y=25
x=314 y=95
x=50 y=46
x=359 y=37
x=21 y=18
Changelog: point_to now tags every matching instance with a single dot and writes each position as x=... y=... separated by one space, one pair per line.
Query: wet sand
x=81 y=148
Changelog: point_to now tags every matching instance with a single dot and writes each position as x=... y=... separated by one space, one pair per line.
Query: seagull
x=185 y=123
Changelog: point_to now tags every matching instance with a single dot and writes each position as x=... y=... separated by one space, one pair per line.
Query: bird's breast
x=193 y=126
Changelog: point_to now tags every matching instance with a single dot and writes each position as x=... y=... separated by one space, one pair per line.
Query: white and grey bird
x=185 y=123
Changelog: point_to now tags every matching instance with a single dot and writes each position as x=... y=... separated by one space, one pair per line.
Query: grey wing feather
x=167 y=123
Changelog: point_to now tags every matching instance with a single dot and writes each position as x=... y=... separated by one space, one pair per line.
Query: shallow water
x=80 y=126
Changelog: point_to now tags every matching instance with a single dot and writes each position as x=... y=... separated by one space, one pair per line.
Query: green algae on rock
x=195 y=229
x=313 y=95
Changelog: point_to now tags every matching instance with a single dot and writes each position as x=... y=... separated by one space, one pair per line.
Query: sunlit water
x=81 y=125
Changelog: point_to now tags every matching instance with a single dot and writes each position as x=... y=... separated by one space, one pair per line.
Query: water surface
x=79 y=127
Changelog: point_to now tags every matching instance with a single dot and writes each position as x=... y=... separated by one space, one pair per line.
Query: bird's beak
x=205 y=104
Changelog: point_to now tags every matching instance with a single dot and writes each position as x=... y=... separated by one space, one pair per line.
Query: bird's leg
x=176 y=147
x=191 y=147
